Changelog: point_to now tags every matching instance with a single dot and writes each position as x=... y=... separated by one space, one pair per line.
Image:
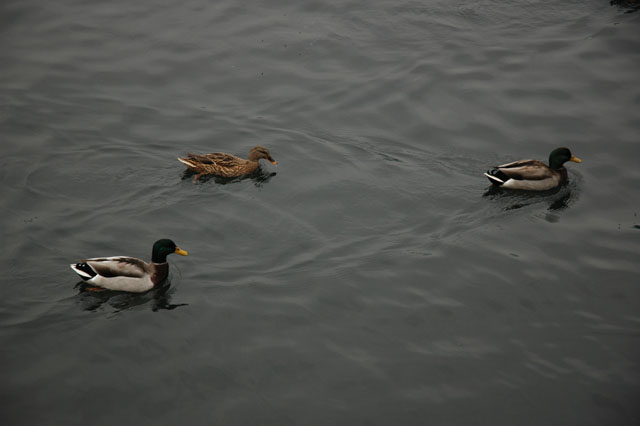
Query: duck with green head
x=533 y=175
x=122 y=273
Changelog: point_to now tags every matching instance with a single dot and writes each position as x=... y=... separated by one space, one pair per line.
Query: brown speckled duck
x=226 y=165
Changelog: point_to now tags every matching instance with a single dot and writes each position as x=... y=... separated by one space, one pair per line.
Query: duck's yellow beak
x=181 y=252
x=575 y=159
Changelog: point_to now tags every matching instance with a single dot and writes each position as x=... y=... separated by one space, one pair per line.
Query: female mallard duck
x=122 y=273
x=226 y=165
x=533 y=175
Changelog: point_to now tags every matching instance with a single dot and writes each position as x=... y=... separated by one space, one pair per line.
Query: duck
x=226 y=165
x=533 y=175
x=122 y=273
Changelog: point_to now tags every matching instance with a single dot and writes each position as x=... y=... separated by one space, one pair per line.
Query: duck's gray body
x=530 y=175
x=121 y=273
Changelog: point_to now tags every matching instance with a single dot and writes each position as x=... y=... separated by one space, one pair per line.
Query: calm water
x=371 y=278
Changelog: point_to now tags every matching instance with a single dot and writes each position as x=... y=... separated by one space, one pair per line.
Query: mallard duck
x=533 y=175
x=226 y=165
x=122 y=273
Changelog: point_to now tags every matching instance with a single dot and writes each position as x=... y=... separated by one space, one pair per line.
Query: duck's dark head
x=259 y=152
x=559 y=156
x=163 y=248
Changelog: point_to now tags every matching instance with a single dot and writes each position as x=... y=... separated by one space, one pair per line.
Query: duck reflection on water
x=259 y=177
x=158 y=298
x=558 y=199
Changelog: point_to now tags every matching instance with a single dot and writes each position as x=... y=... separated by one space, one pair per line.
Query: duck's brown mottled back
x=225 y=165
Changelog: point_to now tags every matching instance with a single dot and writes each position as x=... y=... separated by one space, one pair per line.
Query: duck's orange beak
x=272 y=161
x=575 y=159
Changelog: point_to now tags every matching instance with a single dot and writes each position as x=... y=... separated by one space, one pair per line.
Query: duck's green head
x=163 y=248
x=559 y=156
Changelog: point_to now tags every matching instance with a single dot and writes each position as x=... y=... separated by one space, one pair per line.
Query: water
x=372 y=278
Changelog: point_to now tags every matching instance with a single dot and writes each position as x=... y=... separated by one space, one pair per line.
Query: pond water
x=373 y=277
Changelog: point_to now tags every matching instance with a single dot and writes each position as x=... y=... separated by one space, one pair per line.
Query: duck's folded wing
x=226 y=160
x=218 y=158
x=118 y=266
x=200 y=158
x=526 y=169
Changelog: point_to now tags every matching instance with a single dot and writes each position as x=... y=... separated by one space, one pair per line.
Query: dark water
x=371 y=278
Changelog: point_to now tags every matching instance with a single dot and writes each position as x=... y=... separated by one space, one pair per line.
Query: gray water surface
x=372 y=277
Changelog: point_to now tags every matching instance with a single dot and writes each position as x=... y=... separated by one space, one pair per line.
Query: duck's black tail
x=83 y=269
x=496 y=177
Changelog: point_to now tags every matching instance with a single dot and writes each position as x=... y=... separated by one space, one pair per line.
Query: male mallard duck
x=122 y=273
x=533 y=175
x=225 y=165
